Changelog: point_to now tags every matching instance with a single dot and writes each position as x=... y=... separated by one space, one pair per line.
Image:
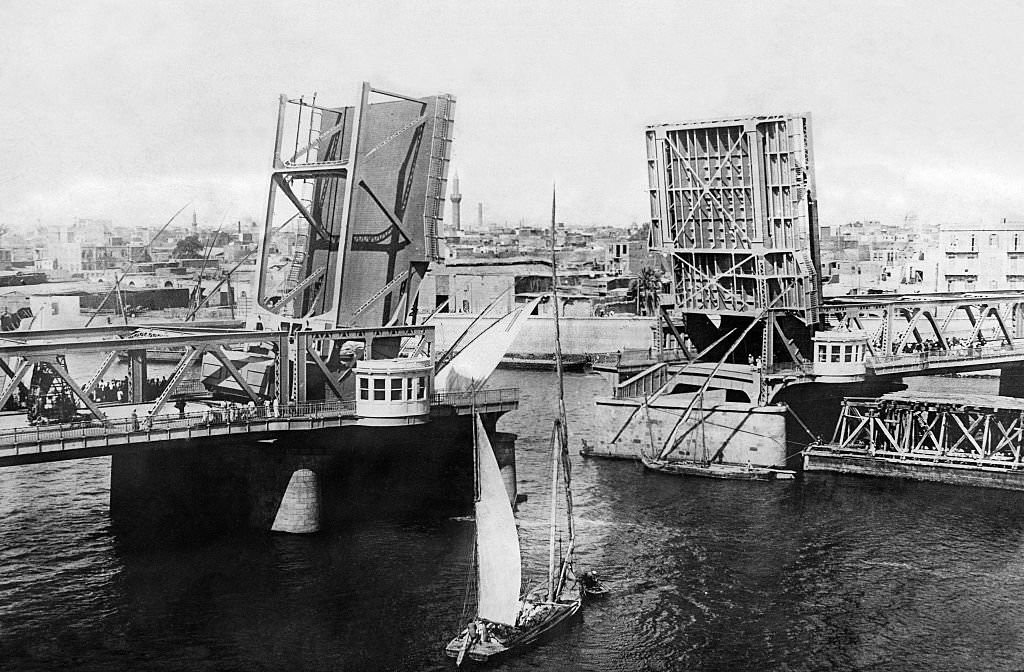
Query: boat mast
x=561 y=430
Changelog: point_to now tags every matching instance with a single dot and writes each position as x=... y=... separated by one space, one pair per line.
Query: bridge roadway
x=21 y=443
x=644 y=372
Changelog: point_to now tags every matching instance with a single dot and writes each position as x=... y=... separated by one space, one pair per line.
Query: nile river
x=821 y=573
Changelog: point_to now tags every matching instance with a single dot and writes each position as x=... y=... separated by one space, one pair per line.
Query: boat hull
x=551 y=616
x=736 y=472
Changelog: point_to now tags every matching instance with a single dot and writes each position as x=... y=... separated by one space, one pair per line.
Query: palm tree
x=646 y=288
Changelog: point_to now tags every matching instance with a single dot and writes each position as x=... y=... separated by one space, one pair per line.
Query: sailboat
x=709 y=466
x=505 y=620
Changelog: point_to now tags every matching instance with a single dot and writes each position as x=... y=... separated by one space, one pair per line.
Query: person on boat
x=590 y=582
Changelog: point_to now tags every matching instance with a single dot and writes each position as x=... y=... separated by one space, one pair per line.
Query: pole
x=561 y=426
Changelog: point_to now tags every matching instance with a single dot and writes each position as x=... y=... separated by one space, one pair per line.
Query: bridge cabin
x=394 y=391
x=839 y=355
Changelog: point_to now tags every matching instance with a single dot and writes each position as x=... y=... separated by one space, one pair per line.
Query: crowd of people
x=120 y=390
x=953 y=343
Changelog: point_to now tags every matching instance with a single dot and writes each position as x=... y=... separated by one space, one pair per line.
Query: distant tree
x=188 y=248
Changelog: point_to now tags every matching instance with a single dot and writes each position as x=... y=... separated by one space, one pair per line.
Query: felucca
x=504 y=620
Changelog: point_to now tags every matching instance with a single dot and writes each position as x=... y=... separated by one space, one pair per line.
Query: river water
x=821 y=573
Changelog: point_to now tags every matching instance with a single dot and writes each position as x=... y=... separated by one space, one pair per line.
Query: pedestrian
x=135 y=421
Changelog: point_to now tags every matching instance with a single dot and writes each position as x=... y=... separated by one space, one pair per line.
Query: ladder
x=298 y=259
x=381 y=292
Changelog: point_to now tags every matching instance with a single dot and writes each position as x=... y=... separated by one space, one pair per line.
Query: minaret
x=195 y=224
x=456 y=199
x=480 y=216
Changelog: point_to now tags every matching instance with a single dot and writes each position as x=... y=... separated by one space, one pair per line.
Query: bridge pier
x=1011 y=382
x=302 y=481
x=299 y=512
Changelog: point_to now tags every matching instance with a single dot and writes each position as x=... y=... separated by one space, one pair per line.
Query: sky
x=129 y=110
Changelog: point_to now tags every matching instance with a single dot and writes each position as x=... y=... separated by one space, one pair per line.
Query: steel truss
x=732 y=204
x=362 y=179
x=979 y=431
x=892 y=323
x=306 y=351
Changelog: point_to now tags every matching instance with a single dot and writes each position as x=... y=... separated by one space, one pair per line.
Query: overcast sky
x=127 y=110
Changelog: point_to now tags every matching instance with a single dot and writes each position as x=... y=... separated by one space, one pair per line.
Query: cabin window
x=848 y=353
x=993 y=240
x=378 y=389
x=421 y=388
x=409 y=393
x=835 y=353
x=364 y=388
x=396 y=389
x=822 y=353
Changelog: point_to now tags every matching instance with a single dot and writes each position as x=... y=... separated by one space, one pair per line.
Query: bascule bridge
x=734 y=213
x=329 y=387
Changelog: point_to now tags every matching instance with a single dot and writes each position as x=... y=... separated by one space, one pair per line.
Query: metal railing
x=228 y=415
x=645 y=383
x=214 y=416
x=957 y=354
x=795 y=368
x=638 y=356
x=504 y=395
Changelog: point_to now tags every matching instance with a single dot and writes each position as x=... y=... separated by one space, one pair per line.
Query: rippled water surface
x=823 y=573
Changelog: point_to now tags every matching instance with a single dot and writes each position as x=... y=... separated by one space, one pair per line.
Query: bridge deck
x=26 y=444
x=947 y=361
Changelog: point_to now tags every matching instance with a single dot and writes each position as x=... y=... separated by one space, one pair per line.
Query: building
x=974 y=257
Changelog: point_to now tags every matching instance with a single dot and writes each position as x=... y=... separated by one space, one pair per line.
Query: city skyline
x=128 y=118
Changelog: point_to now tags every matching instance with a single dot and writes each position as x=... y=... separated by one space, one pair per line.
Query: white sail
x=497 y=540
x=475 y=363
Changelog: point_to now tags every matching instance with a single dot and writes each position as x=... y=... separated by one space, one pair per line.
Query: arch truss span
x=907 y=324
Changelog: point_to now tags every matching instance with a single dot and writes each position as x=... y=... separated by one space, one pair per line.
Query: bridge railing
x=227 y=415
x=790 y=368
x=640 y=357
x=502 y=395
x=213 y=416
x=645 y=383
x=956 y=354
